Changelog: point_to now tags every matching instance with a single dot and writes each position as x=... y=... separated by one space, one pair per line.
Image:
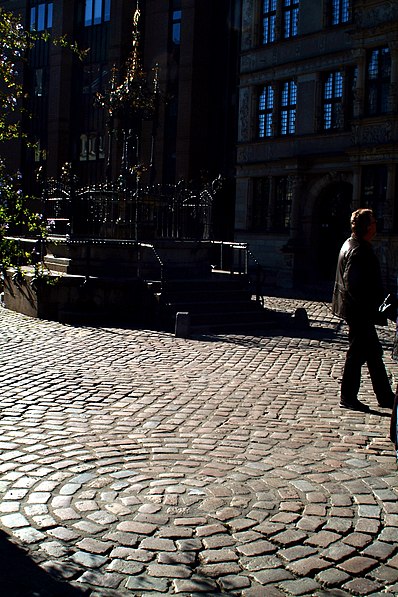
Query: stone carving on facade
x=321 y=44
x=247 y=63
x=244 y=114
x=242 y=155
x=387 y=256
x=247 y=24
x=393 y=97
x=339 y=114
x=260 y=152
x=377 y=15
x=357 y=101
x=372 y=134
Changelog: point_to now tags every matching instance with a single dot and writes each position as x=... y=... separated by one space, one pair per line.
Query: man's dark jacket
x=358 y=290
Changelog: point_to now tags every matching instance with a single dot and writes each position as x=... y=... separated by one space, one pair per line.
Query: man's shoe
x=354 y=405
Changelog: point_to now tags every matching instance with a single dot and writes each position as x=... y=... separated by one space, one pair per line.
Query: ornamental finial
x=137 y=14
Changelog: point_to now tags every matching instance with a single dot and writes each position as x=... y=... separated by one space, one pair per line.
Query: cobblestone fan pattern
x=136 y=463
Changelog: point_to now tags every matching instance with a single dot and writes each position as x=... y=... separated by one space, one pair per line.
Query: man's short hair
x=361 y=219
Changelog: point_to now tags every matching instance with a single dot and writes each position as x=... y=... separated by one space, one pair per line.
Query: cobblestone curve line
x=251 y=492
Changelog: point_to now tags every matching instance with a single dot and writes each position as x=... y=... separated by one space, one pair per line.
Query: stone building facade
x=317 y=132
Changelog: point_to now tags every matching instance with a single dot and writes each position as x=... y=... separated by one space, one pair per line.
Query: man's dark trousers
x=364 y=347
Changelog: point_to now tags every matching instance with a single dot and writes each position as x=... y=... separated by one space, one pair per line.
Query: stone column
x=242 y=198
x=248 y=11
x=296 y=182
x=271 y=202
x=318 y=111
x=244 y=114
x=278 y=22
x=359 y=92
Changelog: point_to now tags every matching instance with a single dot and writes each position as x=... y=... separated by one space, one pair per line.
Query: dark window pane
x=378 y=81
x=374 y=191
x=283 y=202
x=261 y=192
x=333 y=101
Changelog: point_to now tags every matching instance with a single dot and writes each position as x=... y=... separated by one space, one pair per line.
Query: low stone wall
x=105 y=281
x=73 y=298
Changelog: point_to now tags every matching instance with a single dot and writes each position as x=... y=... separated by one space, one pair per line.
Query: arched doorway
x=331 y=226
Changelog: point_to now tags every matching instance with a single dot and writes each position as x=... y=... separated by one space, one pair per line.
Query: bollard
x=301 y=318
x=183 y=324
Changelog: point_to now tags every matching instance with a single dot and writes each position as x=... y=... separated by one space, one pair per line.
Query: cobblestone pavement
x=136 y=463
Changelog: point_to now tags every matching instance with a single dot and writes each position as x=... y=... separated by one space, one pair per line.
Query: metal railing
x=147 y=213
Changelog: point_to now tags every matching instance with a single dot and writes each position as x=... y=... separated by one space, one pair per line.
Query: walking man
x=358 y=293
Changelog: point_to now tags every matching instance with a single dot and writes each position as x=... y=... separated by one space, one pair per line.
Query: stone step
x=220 y=299
x=214 y=307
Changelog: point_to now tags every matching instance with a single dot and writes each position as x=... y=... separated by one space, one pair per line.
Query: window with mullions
x=288 y=108
x=333 y=116
x=265 y=111
x=260 y=203
x=175 y=17
x=91 y=147
x=97 y=12
x=340 y=11
x=39 y=82
x=41 y=16
x=290 y=18
x=374 y=191
x=269 y=21
x=283 y=204
x=378 y=81
x=95 y=77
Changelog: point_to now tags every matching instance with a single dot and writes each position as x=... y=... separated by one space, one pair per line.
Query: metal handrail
x=242 y=266
x=240 y=247
x=160 y=262
x=110 y=241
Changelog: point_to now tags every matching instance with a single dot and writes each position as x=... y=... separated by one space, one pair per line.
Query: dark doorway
x=331 y=227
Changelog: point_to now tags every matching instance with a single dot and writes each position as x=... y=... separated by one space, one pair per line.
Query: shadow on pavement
x=252 y=337
x=378 y=413
x=321 y=291
x=20 y=576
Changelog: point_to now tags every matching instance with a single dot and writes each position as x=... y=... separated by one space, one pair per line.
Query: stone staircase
x=135 y=284
x=217 y=303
